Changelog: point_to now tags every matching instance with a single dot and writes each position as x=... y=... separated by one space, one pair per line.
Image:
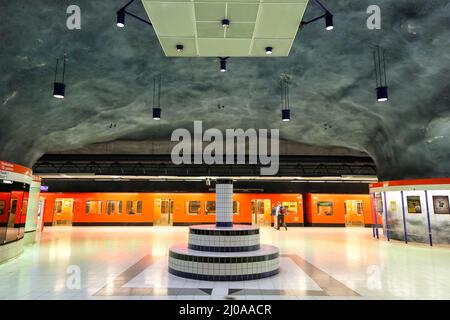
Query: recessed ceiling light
x=180 y=48
x=269 y=50
x=225 y=23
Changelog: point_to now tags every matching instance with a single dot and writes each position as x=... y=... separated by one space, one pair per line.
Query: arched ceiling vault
x=110 y=73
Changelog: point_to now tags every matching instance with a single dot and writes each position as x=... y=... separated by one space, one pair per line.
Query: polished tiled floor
x=316 y=263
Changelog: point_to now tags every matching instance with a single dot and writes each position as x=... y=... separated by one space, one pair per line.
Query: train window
x=58 y=206
x=113 y=207
x=93 y=207
x=134 y=207
x=325 y=208
x=130 y=207
x=2 y=207
x=210 y=207
x=235 y=207
x=359 y=207
x=194 y=207
x=291 y=207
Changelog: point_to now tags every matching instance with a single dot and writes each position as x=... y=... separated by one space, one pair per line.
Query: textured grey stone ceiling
x=110 y=73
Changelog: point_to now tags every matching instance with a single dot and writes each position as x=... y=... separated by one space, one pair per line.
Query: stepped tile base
x=223 y=266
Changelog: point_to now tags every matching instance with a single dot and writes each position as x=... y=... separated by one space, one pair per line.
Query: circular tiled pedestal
x=223 y=254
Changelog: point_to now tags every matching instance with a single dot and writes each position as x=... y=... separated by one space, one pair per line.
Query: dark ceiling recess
x=161 y=165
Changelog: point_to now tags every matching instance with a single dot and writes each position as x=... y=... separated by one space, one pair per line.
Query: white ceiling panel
x=254 y=25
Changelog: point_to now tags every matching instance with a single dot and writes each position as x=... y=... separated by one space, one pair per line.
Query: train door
x=164 y=209
x=354 y=214
x=63 y=212
x=261 y=212
x=11 y=232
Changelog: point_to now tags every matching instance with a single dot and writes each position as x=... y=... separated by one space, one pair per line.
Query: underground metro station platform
x=225 y=150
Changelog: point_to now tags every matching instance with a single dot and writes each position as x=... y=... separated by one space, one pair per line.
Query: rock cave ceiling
x=110 y=74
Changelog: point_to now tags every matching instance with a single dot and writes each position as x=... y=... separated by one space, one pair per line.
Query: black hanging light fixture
x=223 y=63
x=59 y=88
x=122 y=12
x=284 y=94
x=157 y=97
x=380 y=74
x=328 y=16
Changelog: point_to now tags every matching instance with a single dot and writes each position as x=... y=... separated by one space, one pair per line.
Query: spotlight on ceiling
x=225 y=23
x=382 y=94
x=180 y=48
x=329 y=21
x=269 y=50
x=59 y=88
x=156 y=113
x=121 y=18
x=223 y=64
x=286 y=115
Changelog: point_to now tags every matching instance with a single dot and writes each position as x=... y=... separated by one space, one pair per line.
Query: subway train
x=13 y=215
x=181 y=209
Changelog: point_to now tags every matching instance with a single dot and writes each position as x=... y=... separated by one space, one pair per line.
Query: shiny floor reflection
x=131 y=263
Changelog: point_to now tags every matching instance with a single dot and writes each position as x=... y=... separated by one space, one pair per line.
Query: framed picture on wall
x=441 y=205
x=414 y=205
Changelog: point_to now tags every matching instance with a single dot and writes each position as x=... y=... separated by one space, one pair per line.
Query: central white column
x=224 y=203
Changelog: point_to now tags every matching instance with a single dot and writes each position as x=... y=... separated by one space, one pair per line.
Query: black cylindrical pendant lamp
x=382 y=93
x=121 y=18
x=329 y=21
x=285 y=115
x=59 y=90
x=156 y=113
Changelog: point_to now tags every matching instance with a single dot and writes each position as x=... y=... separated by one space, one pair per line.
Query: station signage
x=14 y=172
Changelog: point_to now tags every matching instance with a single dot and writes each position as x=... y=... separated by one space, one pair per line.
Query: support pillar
x=224 y=203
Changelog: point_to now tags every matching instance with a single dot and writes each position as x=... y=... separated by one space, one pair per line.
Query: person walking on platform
x=281 y=212
x=275 y=215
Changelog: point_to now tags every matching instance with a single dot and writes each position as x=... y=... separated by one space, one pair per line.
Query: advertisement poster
x=414 y=204
x=441 y=205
